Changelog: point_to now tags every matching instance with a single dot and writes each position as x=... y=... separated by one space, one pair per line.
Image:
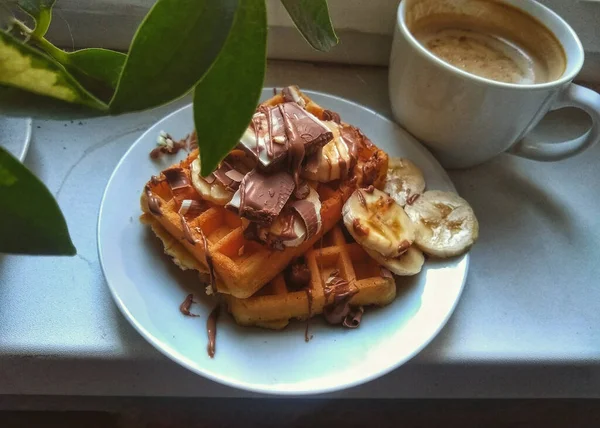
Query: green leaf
x=41 y=12
x=30 y=219
x=97 y=70
x=226 y=97
x=23 y=67
x=173 y=48
x=101 y=64
x=312 y=19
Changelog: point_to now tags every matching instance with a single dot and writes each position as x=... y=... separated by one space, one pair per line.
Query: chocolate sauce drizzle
x=187 y=233
x=211 y=330
x=153 y=202
x=185 y=306
x=208 y=259
x=309 y=298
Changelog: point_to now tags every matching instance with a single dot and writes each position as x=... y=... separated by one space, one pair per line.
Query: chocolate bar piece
x=269 y=136
x=310 y=129
x=262 y=197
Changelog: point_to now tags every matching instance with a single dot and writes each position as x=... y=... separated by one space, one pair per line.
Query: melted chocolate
x=385 y=273
x=187 y=233
x=302 y=190
x=208 y=259
x=361 y=198
x=338 y=309
x=412 y=198
x=331 y=115
x=359 y=228
x=185 y=306
x=211 y=330
x=153 y=202
x=309 y=298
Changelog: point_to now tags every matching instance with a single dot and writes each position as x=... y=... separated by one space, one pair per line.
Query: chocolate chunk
x=331 y=115
x=292 y=94
x=257 y=202
x=308 y=212
x=179 y=183
x=297 y=275
x=353 y=318
x=310 y=129
x=257 y=142
x=191 y=208
x=176 y=178
x=235 y=175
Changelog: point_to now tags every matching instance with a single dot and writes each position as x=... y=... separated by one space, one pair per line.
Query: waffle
x=275 y=304
x=241 y=266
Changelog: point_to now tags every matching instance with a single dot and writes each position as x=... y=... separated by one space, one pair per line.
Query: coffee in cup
x=472 y=78
x=487 y=38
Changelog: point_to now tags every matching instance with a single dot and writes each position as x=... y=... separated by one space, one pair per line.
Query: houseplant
x=218 y=52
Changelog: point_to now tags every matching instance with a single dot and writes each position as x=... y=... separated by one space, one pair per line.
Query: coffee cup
x=472 y=78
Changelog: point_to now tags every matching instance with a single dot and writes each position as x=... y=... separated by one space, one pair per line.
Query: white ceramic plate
x=15 y=135
x=148 y=288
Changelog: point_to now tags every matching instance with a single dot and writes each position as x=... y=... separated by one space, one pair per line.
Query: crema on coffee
x=487 y=38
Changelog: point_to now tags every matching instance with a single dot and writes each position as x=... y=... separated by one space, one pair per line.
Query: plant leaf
x=41 y=12
x=311 y=17
x=23 y=67
x=30 y=220
x=229 y=92
x=97 y=70
x=100 y=64
x=173 y=48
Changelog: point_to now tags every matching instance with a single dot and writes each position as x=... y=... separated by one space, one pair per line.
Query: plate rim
x=262 y=388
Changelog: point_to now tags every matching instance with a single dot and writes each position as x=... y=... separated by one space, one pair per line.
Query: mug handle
x=574 y=96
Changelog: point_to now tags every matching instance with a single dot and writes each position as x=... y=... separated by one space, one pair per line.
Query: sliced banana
x=332 y=161
x=407 y=264
x=377 y=222
x=404 y=182
x=445 y=223
x=214 y=192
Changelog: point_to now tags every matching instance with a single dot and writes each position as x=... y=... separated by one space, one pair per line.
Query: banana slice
x=404 y=182
x=446 y=225
x=377 y=222
x=407 y=264
x=214 y=192
x=332 y=161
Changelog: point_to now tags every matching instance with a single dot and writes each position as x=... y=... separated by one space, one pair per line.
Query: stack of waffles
x=264 y=230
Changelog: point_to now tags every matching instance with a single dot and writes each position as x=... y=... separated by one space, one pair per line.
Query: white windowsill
x=364 y=26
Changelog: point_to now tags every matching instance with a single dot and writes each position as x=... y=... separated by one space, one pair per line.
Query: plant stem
x=42 y=43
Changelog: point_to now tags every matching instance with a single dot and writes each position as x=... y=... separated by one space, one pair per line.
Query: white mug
x=466 y=120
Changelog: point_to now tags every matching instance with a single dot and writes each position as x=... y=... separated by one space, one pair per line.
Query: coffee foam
x=487 y=38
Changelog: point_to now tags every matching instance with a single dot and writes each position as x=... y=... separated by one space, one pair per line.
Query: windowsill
x=364 y=26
